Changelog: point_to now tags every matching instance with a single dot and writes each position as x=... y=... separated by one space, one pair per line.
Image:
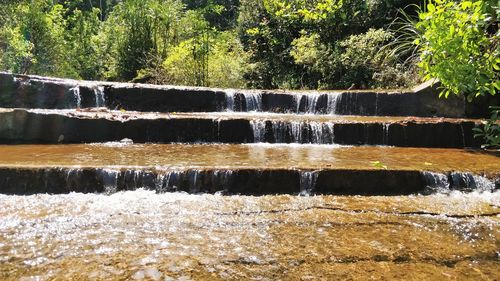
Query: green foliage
x=225 y=62
x=457 y=48
x=225 y=43
x=137 y=31
x=490 y=132
x=220 y=14
x=81 y=33
x=45 y=38
x=358 y=61
x=307 y=11
x=34 y=39
x=299 y=44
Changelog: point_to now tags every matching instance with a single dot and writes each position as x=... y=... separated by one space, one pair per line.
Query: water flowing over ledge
x=76 y=126
x=243 y=169
x=51 y=93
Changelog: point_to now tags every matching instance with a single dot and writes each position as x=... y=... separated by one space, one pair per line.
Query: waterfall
x=253 y=101
x=311 y=103
x=385 y=133
x=436 y=182
x=294 y=132
x=307 y=182
x=259 y=130
x=193 y=178
x=77 y=96
x=100 y=100
x=221 y=179
x=109 y=179
x=332 y=103
x=444 y=183
x=230 y=100
x=462 y=134
x=466 y=181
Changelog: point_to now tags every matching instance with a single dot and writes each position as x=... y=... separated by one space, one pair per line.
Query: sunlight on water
x=140 y=234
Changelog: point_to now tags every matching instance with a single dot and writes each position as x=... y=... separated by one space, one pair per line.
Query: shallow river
x=144 y=235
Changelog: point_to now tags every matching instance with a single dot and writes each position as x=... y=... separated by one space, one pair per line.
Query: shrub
x=457 y=48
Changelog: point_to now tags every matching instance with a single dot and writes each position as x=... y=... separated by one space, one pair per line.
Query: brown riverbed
x=260 y=156
x=143 y=235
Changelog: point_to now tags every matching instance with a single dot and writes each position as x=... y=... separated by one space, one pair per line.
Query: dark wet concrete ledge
x=24 y=181
x=24 y=126
x=51 y=93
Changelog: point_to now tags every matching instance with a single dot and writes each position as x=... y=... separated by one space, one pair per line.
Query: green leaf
x=431 y=8
x=378 y=164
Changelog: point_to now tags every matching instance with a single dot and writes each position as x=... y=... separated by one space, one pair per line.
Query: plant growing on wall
x=490 y=132
x=459 y=45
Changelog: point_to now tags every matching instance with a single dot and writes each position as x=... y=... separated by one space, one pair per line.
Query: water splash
x=446 y=183
x=109 y=179
x=469 y=182
x=307 y=182
x=436 y=182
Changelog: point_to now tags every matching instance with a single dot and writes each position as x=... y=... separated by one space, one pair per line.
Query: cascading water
x=436 y=182
x=109 y=179
x=259 y=130
x=385 y=133
x=230 y=106
x=311 y=103
x=307 y=182
x=78 y=98
x=466 y=181
x=163 y=180
x=294 y=132
x=333 y=100
x=100 y=100
x=444 y=183
x=253 y=101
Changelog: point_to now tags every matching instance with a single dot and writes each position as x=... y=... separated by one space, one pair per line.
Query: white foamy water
x=140 y=234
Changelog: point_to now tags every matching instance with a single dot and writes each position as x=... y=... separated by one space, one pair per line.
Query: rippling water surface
x=144 y=235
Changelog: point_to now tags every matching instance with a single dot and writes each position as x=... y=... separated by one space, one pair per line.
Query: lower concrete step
x=244 y=169
x=77 y=126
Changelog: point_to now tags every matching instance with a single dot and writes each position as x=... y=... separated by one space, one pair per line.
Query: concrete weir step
x=21 y=91
x=254 y=169
x=102 y=125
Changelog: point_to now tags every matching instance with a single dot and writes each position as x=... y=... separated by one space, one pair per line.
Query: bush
x=457 y=48
x=225 y=62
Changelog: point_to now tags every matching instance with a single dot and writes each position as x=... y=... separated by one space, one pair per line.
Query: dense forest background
x=320 y=44
x=225 y=43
